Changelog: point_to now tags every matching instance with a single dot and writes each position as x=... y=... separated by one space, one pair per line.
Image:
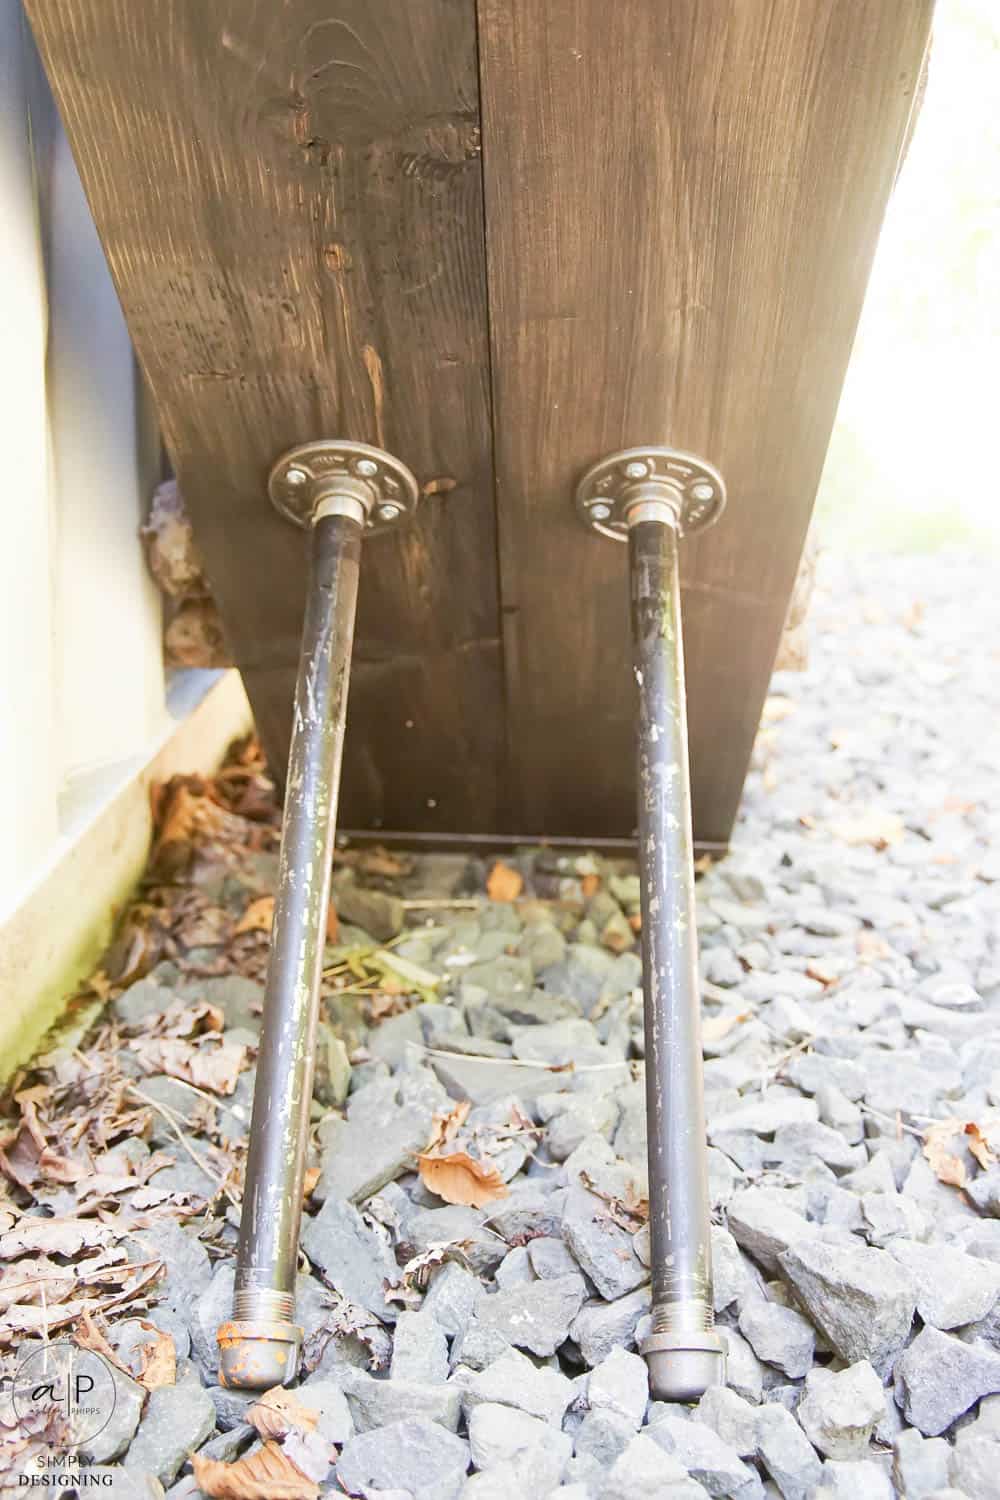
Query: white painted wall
x=108 y=671
x=87 y=721
x=28 y=779
x=84 y=705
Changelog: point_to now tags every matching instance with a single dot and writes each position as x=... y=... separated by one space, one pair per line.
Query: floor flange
x=310 y=473
x=693 y=488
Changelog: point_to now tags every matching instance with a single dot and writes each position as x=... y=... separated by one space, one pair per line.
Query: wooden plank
x=290 y=199
x=682 y=204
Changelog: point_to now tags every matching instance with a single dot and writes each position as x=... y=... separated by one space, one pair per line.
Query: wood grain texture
x=290 y=198
x=683 y=199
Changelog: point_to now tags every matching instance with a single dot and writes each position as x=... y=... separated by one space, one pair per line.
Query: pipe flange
x=310 y=473
x=694 y=490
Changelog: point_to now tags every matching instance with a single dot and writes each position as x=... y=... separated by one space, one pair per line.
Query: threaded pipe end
x=688 y=1315
x=264 y=1304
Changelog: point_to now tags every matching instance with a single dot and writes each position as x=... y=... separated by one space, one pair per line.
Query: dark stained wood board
x=682 y=203
x=290 y=199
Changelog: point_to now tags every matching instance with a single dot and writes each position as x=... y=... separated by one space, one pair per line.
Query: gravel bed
x=485 y=1348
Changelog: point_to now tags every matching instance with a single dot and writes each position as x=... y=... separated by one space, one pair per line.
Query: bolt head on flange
x=607 y=491
x=309 y=474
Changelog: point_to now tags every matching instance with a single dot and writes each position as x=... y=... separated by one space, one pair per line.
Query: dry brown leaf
x=89 y=1336
x=258 y=916
x=212 y=1064
x=183 y=812
x=445 y=1127
x=266 y=1475
x=277 y=1412
x=55 y=1236
x=459 y=1178
x=716 y=1027
x=332 y=924
x=310 y=1179
x=979 y=1145
x=776 y=708
x=181 y=1019
x=504 y=883
x=879 y=829
x=947 y=1167
x=379 y=861
x=38 y=1281
x=825 y=974
x=158 y=1359
x=871 y=947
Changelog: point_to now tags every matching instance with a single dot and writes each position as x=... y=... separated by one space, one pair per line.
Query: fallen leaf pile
x=186 y=1042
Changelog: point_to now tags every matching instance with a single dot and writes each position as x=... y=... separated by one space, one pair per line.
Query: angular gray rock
x=765 y=1116
x=645 y=1472
x=498 y=1434
x=839 y=1410
x=177 y=1419
x=515 y=1380
x=451 y=1297
x=534 y=1471
x=603 y=1248
x=600 y=1327
x=732 y=1418
x=551 y=1257
x=764 y=1223
x=374 y=1403
x=952 y=1288
x=419 y=1348
x=419 y=1458
x=620 y=1384
x=355 y=1261
x=375 y=911
x=587 y=1114
x=939 y=1377
x=602 y=1436
x=858 y=1480
x=326 y=1398
x=975 y=1465
x=515 y=1269
x=457 y=1225
x=862 y=1299
x=779 y=1336
x=786 y=1453
x=537 y=1316
x=744 y=1371
x=704 y=1455
x=115 y=1436
x=361 y=1154
x=919 y=1464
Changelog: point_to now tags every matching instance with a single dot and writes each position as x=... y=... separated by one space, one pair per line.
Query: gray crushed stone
x=852 y=939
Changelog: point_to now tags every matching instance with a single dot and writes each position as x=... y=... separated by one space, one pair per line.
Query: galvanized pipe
x=683 y=1353
x=259 y=1348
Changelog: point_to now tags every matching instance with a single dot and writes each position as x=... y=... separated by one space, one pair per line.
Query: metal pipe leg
x=259 y=1348
x=650 y=496
x=683 y=1354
